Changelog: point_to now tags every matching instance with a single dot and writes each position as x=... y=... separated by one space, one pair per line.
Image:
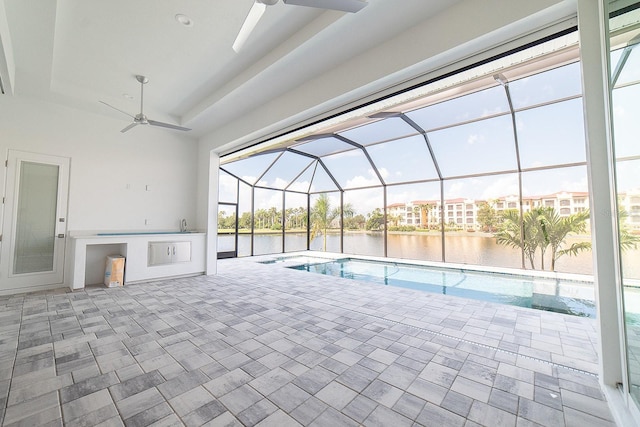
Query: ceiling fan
x=140 y=118
x=259 y=6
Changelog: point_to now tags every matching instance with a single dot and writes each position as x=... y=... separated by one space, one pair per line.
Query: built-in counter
x=185 y=256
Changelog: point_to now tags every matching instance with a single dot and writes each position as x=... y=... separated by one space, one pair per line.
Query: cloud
x=273 y=199
x=300 y=186
x=619 y=111
x=482 y=188
x=362 y=181
x=455 y=190
x=279 y=183
x=227 y=188
x=473 y=138
x=384 y=173
x=504 y=186
x=580 y=185
x=402 y=197
x=406 y=194
x=249 y=178
x=365 y=201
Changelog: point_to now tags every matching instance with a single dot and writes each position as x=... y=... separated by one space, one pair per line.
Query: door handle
x=61 y=236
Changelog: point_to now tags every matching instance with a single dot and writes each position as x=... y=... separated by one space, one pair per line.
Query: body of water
x=464 y=248
x=576 y=298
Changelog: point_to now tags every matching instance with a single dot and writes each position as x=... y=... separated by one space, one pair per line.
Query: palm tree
x=556 y=229
x=394 y=219
x=425 y=208
x=627 y=239
x=511 y=233
x=322 y=215
x=347 y=210
x=543 y=229
x=260 y=217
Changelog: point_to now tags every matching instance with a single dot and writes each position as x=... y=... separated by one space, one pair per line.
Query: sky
x=549 y=129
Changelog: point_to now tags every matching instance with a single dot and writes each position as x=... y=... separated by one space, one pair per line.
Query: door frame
x=37 y=280
x=233 y=253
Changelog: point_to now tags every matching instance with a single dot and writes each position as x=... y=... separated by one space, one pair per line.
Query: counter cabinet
x=148 y=256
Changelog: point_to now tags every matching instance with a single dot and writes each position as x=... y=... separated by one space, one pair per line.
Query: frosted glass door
x=34 y=223
x=36 y=219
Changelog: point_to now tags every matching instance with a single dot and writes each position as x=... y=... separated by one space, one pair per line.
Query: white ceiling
x=79 y=52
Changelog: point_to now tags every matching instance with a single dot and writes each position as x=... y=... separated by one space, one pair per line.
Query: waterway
x=465 y=248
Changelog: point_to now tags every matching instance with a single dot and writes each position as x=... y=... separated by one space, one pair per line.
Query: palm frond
x=574 y=249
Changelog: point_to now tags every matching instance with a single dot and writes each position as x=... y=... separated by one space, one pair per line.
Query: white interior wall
x=109 y=170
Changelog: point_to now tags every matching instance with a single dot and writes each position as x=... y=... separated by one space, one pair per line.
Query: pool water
x=569 y=297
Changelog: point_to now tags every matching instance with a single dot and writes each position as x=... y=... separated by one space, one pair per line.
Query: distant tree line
x=541 y=233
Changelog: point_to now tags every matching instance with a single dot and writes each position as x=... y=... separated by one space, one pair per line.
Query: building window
x=565 y=202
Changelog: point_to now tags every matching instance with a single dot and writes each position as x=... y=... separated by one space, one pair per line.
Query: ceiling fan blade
x=131 y=126
x=343 y=5
x=250 y=22
x=117 y=109
x=167 y=125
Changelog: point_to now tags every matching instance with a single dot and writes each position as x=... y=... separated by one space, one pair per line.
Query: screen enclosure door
x=227 y=230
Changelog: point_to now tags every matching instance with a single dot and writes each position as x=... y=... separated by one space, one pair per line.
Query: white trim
x=7 y=63
x=623 y=414
x=212 y=217
x=26 y=289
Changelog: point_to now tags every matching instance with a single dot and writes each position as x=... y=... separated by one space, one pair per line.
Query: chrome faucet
x=183 y=225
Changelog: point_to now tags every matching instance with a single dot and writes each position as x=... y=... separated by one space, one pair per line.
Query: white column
x=212 y=215
x=593 y=31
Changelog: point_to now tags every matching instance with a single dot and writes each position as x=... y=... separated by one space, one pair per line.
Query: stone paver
x=266 y=345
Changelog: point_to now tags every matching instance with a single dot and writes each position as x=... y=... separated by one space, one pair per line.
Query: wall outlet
x=147 y=222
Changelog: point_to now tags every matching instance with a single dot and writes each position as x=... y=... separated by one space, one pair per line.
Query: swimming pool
x=569 y=297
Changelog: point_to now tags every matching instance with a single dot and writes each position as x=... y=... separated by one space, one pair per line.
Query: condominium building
x=463 y=213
